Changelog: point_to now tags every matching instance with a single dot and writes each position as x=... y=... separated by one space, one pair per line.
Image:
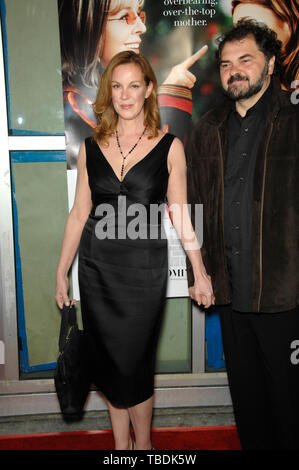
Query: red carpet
x=185 y=438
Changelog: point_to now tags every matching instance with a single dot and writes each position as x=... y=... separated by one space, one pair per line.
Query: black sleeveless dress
x=123 y=271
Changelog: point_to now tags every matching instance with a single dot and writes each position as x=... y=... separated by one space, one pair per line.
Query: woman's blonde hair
x=103 y=107
x=117 y=5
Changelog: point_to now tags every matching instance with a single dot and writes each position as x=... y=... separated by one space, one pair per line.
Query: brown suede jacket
x=275 y=203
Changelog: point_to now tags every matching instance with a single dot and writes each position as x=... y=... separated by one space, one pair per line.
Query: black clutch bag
x=73 y=371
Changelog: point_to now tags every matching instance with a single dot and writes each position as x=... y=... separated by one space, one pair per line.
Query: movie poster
x=170 y=33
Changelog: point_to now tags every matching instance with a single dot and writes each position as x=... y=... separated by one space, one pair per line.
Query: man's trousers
x=262 y=359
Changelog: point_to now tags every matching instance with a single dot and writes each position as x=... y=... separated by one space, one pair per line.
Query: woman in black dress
x=125 y=173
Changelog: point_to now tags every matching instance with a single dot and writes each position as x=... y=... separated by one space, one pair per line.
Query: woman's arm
x=202 y=291
x=73 y=229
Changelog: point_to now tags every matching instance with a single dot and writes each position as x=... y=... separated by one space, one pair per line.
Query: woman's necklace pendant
x=130 y=151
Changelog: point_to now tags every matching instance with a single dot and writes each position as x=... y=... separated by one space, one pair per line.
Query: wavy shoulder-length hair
x=103 y=107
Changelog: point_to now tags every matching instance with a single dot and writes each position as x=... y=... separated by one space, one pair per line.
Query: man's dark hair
x=266 y=40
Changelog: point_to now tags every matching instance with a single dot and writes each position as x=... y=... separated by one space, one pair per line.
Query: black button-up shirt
x=245 y=134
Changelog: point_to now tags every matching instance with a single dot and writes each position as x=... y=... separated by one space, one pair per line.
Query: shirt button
x=242 y=179
x=246 y=129
x=236 y=227
x=236 y=252
x=244 y=155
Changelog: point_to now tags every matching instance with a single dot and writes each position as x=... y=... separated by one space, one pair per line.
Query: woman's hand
x=202 y=291
x=62 y=287
x=180 y=74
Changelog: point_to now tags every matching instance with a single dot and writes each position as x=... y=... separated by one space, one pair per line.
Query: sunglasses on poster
x=130 y=17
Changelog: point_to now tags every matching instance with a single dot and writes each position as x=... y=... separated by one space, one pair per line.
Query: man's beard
x=252 y=90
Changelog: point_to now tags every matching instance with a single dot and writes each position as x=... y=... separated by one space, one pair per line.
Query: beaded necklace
x=130 y=151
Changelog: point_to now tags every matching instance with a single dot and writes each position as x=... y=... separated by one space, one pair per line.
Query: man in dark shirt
x=245 y=134
x=242 y=166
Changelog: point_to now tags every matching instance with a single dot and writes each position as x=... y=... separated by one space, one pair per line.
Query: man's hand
x=202 y=291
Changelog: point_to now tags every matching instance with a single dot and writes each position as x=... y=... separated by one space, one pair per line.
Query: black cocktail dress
x=123 y=271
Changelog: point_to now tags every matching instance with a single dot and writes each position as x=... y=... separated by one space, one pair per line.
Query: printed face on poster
x=168 y=33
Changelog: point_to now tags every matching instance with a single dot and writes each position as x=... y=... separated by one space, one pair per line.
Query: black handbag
x=73 y=371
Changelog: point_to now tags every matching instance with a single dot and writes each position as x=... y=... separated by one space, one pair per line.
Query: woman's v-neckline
x=132 y=167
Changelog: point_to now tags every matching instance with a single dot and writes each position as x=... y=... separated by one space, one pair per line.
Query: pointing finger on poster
x=180 y=74
x=194 y=58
